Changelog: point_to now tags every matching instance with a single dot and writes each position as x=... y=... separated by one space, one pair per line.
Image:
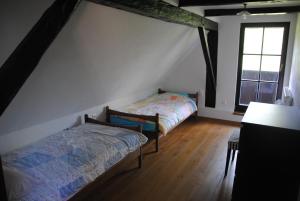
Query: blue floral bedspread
x=64 y=163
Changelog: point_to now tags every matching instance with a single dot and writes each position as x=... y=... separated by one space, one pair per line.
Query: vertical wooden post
x=210 y=55
x=141 y=157
x=107 y=114
x=157 y=132
x=3 y=195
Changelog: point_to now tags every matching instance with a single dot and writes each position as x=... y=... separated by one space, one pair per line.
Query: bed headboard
x=194 y=96
x=3 y=195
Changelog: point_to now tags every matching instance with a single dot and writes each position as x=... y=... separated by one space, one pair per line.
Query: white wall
x=295 y=72
x=16 y=19
x=189 y=73
x=105 y=56
x=102 y=56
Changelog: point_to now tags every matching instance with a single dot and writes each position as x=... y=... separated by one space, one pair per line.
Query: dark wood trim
x=283 y=58
x=223 y=12
x=107 y=114
x=157 y=131
x=24 y=59
x=206 y=53
x=210 y=93
x=162 y=11
x=286 y=25
x=210 y=89
x=124 y=114
x=87 y=119
x=140 y=157
x=183 y=3
x=3 y=193
x=238 y=107
x=151 y=135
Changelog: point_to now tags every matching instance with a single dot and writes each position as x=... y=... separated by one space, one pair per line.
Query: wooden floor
x=189 y=166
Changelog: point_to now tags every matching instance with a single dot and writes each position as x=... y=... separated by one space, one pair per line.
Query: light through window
x=261 y=63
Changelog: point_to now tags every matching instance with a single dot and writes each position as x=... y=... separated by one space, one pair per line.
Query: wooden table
x=268 y=163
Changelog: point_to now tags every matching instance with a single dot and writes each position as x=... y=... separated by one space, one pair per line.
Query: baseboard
x=214 y=113
x=221 y=121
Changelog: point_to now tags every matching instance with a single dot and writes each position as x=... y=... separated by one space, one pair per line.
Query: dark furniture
x=152 y=135
x=233 y=146
x=268 y=162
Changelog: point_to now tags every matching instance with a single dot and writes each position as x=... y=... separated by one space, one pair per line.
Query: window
x=261 y=63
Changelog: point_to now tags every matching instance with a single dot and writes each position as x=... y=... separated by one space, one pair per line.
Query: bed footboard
x=134 y=128
x=150 y=134
x=87 y=119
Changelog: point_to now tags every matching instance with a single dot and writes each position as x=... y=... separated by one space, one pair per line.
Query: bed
x=157 y=114
x=64 y=165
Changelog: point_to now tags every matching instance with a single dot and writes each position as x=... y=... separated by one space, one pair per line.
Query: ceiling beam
x=183 y=3
x=223 y=12
x=25 y=58
x=162 y=11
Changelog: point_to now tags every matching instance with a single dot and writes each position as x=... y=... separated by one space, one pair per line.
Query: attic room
x=174 y=100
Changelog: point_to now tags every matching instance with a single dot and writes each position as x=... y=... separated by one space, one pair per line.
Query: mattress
x=60 y=165
x=172 y=108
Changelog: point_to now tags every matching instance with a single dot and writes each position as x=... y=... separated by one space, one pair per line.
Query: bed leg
x=141 y=158
x=195 y=115
x=3 y=195
x=156 y=144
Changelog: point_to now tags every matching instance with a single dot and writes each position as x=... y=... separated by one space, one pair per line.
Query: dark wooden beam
x=223 y=12
x=162 y=11
x=210 y=92
x=183 y=3
x=20 y=64
x=210 y=89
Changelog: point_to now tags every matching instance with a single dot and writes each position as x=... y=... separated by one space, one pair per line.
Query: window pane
x=250 y=75
x=253 y=40
x=270 y=63
x=273 y=38
x=270 y=66
x=269 y=76
x=248 y=92
x=267 y=92
x=251 y=62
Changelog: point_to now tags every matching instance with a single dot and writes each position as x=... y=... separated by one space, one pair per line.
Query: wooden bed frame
x=99 y=181
x=152 y=135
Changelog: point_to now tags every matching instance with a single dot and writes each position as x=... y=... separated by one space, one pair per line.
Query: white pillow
x=17 y=184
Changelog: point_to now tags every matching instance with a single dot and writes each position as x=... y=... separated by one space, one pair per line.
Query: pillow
x=17 y=184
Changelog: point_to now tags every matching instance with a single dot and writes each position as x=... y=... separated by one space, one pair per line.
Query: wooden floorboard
x=188 y=167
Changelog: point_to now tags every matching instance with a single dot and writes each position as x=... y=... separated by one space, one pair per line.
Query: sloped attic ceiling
x=21 y=63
